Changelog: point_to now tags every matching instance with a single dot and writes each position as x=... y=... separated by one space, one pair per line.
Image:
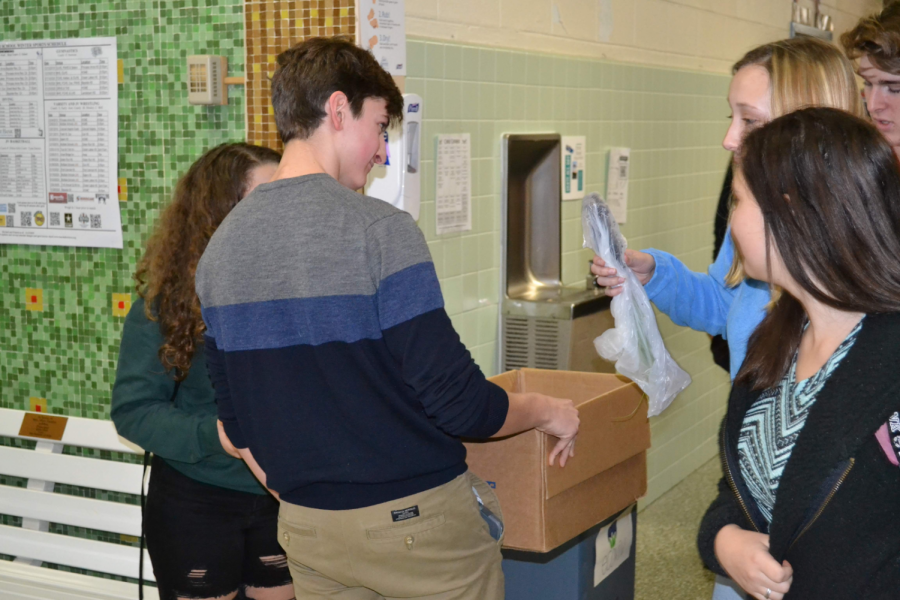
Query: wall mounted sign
x=382 y=31
x=59 y=108
x=453 y=182
x=574 y=157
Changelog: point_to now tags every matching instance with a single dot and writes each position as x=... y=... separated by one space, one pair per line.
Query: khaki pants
x=445 y=552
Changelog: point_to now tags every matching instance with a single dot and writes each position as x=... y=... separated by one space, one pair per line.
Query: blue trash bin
x=567 y=573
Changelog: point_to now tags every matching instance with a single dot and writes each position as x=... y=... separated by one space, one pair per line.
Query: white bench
x=38 y=506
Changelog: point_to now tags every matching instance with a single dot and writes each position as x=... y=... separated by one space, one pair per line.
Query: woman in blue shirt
x=769 y=81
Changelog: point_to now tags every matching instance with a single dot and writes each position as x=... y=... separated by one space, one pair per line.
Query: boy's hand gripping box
x=543 y=506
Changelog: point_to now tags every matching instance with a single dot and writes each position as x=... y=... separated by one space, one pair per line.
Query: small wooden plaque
x=48 y=427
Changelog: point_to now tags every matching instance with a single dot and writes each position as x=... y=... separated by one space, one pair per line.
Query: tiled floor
x=668 y=566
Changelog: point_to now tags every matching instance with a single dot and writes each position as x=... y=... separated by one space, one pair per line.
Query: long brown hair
x=165 y=275
x=828 y=186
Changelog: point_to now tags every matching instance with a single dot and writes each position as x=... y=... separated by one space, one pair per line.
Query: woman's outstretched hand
x=642 y=264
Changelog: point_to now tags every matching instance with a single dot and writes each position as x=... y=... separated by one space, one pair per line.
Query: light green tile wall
x=673 y=121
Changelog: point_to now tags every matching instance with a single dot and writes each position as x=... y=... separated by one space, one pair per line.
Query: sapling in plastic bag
x=634 y=344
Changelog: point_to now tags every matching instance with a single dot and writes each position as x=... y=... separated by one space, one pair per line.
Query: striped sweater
x=330 y=352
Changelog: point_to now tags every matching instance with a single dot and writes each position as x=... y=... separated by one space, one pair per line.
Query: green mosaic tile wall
x=67 y=352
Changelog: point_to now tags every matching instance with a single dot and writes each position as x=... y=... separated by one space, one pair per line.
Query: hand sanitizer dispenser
x=397 y=181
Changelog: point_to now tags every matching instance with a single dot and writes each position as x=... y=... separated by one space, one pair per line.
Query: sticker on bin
x=613 y=547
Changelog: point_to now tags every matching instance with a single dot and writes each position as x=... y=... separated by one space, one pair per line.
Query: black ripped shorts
x=206 y=541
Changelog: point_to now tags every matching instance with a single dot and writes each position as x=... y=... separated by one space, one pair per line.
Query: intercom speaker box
x=543 y=506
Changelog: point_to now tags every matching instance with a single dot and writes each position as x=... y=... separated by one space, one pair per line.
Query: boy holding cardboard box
x=339 y=377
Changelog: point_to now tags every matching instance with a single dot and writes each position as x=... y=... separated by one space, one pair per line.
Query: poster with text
x=453 y=183
x=617 y=183
x=382 y=31
x=59 y=111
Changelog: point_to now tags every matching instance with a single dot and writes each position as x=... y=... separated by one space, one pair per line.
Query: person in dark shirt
x=809 y=445
x=210 y=526
x=338 y=373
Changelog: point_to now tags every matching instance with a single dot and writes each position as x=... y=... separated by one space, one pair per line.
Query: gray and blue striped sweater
x=330 y=351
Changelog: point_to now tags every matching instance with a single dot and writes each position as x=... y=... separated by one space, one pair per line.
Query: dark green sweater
x=182 y=431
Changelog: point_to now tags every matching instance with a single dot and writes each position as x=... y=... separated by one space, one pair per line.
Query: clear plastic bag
x=634 y=344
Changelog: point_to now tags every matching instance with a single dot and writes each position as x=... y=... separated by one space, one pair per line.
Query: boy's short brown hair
x=310 y=72
x=878 y=37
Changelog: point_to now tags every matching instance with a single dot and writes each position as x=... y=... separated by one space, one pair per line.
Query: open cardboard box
x=543 y=506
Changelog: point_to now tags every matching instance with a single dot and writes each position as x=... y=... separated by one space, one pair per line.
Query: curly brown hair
x=203 y=197
x=877 y=36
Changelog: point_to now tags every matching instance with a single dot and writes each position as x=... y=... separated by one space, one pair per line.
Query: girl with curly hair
x=210 y=526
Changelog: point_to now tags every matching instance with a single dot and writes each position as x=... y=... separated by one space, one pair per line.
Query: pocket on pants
x=403 y=537
x=491 y=503
x=297 y=539
x=446 y=548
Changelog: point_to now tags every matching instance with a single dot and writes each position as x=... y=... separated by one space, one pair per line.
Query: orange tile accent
x=273 y=26
x=121 y=304
x=34 y=299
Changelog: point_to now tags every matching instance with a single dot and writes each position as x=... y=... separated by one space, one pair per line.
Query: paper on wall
x=382 y=30
x=59 y=143
x=573 y=163
x=617 y=182
x=613 y=547
x=453 y=182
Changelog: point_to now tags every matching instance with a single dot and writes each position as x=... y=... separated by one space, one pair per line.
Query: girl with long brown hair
x=210 y=526
x=808 y=504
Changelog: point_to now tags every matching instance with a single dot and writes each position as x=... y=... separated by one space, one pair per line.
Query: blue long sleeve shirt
x=702 y=301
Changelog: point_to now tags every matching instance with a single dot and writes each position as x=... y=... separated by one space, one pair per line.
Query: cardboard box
x=543 y=506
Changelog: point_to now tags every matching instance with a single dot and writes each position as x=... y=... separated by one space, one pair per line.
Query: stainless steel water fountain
x=543 y=324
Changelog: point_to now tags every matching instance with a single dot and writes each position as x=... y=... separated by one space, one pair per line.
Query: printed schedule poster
x=59 y=111
x=453 y=183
